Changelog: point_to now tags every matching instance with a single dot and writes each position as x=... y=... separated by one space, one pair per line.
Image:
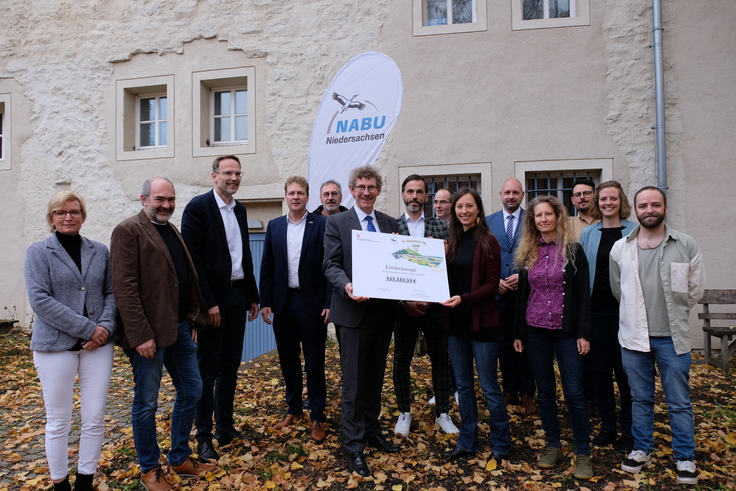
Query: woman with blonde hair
x=611 y=206
x=554 y=296
x=69 y=286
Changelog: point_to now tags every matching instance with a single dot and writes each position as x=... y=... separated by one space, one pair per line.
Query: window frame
x=156 y=121
x=128 y=94
x=6 y=129
x=603 y=168
x=420 y=27
x=204 y=85
x=581 y=17
x=233 y=115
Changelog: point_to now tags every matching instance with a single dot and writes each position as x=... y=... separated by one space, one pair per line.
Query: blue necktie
x=510 y=230
x=371 y=228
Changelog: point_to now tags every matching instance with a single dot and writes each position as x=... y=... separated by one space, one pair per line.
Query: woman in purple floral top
x=554 y=294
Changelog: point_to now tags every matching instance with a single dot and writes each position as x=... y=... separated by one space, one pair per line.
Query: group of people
x=524 y=291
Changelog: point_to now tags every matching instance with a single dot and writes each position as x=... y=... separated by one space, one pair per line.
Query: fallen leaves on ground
x=267 y=459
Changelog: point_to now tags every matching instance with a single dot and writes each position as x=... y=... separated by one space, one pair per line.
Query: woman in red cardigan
x=471 y=322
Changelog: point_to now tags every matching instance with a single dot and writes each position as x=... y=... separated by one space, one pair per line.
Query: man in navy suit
x=518 y=381
x=215 y=229
x=295 y=294
x=365 y=324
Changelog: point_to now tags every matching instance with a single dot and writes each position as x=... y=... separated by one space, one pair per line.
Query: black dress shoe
x=206 y=451
x=356 y=463
x=499 y=457
x=456 y=453
x=380 y=443
x=228 y=438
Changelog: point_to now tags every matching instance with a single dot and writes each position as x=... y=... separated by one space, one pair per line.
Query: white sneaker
x=403 y=425
x=687 y=473
x=446 y=424
x=432 y=401
x=635 y=461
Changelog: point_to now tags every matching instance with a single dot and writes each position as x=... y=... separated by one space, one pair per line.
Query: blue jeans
x=180 y=360
x=543 y=346
x=674 y=373
x=462 y=353
x=605 y=352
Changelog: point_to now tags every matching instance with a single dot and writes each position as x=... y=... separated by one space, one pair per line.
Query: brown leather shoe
x=510 y=399
x=318 y=431
x=527 y=403
x=155 y=480
x=192 y=468
x=289 y=420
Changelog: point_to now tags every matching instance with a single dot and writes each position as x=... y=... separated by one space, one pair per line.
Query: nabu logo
x=355 y=124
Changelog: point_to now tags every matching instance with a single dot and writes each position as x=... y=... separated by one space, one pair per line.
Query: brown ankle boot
x=155 y=480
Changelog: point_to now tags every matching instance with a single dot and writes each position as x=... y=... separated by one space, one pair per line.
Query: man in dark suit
x=518 y=381
x=420 y=316
x=365 y=324
x=160 y=309
x=295 y=294
x=215 y=229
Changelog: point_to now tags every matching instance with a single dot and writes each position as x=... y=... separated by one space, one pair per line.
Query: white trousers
x=57 y=372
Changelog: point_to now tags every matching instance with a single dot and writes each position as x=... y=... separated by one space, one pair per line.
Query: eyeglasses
x=587 y=194
x=229 y=174
x=362 y=189
x=328 y=194
x=63 y=214
x=440 y=202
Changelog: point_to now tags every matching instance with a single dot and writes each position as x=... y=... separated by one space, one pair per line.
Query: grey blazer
x=58 y=293
x=338 y=263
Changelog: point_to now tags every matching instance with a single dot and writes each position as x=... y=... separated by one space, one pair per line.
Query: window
x=230 y=116
x=538 y=14
x=144 y=108
x=451 y=183
x=558 y=177
x=448 y=16
x=223 y=112
x=5 y=140
x=152 y=122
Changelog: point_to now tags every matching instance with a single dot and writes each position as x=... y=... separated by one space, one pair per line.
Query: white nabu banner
x=353 y=121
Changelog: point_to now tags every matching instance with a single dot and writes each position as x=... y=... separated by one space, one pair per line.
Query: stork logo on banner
x=342 y=123
x=358 y=111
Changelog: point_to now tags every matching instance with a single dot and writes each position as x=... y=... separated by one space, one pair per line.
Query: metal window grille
x=451 y=183
x=558 y=184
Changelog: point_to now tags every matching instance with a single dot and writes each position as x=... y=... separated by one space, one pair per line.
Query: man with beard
x=330 y=195
x=657 y=274
x=582 y=199
x=517 y=378
x=161 y=308
x=424 y=316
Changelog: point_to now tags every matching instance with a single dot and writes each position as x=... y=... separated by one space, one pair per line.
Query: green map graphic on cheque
x=413 y=255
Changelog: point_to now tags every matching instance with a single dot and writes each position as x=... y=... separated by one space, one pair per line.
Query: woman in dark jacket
x=69 y=288
x=471 y=321
x=554 y=296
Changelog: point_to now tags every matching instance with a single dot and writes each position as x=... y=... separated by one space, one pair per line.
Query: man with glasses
x=365 y=324
x=443 y=205
x=582 y=200
x=330 y=195
x=215 y=229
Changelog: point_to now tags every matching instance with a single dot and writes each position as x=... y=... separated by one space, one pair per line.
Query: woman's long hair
x=528 y=251
x=456 y=228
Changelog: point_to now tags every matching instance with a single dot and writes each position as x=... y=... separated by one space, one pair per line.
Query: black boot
x=63 y=485
x=83 y=482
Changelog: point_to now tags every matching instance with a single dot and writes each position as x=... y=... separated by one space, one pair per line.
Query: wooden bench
x=725 y=333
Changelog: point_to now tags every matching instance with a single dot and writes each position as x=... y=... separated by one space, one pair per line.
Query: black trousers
x=405 y=338
x=516 y=372
x=363 y=351
x=295 y=331
x=219 y=352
